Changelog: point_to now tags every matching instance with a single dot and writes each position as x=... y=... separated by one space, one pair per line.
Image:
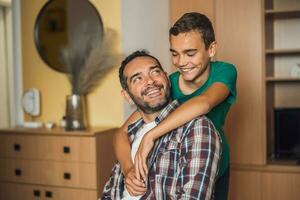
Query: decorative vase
x=76 y=112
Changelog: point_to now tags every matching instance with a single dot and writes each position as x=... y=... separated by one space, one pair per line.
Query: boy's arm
x=122 y=145
x=123 y=153
x=196 y=106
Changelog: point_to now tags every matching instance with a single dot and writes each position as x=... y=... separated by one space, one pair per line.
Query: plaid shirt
x=182 y=165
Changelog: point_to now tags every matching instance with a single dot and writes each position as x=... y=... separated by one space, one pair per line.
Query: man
x=183 y=163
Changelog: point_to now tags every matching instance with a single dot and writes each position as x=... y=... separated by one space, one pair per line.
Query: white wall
x=145 y=25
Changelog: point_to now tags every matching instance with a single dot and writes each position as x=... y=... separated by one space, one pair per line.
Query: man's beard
x=146 y=107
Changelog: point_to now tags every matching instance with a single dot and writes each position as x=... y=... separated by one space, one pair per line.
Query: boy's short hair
x=194 y=21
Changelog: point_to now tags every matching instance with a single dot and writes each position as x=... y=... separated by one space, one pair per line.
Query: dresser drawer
x=10 y=191
x=79 y=175
x=60 y=148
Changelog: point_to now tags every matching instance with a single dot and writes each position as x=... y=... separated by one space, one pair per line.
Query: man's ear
x=212 y=49
x=168 y=78
x=127 y=97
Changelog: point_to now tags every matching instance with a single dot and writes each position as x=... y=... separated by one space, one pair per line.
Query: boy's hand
x=133 y=185
x=140 y=161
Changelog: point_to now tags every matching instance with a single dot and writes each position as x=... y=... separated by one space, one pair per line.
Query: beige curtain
x=5 y=2
x=4 y=102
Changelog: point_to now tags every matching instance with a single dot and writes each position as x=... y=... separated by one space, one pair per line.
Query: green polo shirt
x=219 y=72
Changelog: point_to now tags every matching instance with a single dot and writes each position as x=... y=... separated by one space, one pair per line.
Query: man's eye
x=174 y=54
x=156 y=71
x=136 y=79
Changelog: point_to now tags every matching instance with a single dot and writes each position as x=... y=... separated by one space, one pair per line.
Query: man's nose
x=149 y=80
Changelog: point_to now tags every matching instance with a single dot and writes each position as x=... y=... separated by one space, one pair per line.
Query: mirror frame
x=37 y=28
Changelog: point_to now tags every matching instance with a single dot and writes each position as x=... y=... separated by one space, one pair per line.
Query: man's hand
x=133 y=185
x=141 y=155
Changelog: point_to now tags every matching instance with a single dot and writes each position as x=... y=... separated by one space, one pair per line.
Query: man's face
x=189 y=55
x=148 y=84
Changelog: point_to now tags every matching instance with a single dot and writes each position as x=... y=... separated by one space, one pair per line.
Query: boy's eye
x=191 y=54
x=174 y=54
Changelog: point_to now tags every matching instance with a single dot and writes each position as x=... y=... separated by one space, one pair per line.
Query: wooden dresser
x=54 y=164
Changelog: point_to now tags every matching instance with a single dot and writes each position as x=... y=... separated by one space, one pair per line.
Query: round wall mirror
x=61 y=24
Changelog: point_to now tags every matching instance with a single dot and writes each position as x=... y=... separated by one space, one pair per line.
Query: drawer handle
x=67 y=176
x=17 y=147
x=66 y=149
x=48 y=194
x=18 y=172
x=36 y=193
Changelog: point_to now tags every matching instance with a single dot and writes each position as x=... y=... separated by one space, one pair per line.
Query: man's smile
x=153 y=91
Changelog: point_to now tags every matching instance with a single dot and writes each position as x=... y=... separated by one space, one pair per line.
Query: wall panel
x=239 y=36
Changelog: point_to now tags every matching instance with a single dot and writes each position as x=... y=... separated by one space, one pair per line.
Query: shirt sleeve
x=226 y=73
x=201 y=155
x=112 y=189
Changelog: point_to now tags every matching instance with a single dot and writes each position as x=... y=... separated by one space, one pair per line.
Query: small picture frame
x=295 y=71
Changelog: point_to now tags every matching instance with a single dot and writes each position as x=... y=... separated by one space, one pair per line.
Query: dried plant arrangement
x=90 y=59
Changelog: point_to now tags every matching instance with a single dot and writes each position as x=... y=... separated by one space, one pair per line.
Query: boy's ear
x=212 y=49
x=126 y=96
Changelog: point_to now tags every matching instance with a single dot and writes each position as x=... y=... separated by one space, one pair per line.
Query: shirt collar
x=132 y=128
x=166 y=111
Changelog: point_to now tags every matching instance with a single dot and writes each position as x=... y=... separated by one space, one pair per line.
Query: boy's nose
x=181 y=61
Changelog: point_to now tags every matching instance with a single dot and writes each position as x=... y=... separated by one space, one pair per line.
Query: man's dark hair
x=194 y=21
x=139 y=53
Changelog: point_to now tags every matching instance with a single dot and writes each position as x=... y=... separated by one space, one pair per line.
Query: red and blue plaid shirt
x=182 y=165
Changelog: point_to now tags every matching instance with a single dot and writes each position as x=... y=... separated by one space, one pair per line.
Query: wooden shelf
x=292 y=13
x=282 y=79
x=56 y=131
x=280 y=167
x=271 y=11
x=282 y=51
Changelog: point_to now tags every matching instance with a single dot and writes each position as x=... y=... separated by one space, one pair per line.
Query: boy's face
x=148 y=84
x=189 y=55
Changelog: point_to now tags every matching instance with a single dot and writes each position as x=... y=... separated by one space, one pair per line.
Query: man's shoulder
x=134 y=127
x=199 y=131
x=201 y=123
x=200 y=119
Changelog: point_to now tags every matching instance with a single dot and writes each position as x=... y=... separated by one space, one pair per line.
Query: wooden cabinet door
x=278 y=186
x=244 y=185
